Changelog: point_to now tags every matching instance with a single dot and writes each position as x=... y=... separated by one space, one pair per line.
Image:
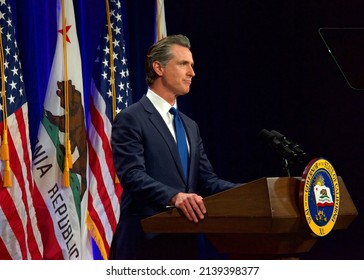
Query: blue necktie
x=181 y=140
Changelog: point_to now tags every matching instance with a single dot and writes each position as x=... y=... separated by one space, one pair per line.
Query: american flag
x=104 y=188
x=19 y=233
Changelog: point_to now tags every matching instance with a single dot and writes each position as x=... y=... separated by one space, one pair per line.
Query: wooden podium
x=256 y=220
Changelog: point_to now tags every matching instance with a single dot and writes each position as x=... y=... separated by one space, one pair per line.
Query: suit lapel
x=192 y=143
x=163 y=130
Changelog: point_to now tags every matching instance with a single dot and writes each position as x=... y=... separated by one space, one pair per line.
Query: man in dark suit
x=148 y=163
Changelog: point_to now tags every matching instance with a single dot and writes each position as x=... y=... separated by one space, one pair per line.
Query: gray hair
x=161 y=52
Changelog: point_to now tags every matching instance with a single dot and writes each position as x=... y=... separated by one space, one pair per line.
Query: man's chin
x=183 y=93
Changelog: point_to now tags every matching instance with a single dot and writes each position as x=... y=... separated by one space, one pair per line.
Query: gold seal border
x=319 y=165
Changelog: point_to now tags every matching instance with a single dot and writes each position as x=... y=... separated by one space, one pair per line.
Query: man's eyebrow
x=187 y=62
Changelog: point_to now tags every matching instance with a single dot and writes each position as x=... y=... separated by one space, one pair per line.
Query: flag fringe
x=95 y=234
x=117 y=181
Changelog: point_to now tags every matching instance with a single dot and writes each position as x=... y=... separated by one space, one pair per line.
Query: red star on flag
x=67 y=28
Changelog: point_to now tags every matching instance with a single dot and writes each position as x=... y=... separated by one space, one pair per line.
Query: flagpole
x=160 y=29
x=112 y=70
x=4 y=155
x=67 y=155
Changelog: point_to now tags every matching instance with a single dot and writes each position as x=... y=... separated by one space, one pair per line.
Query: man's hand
x=191 y=205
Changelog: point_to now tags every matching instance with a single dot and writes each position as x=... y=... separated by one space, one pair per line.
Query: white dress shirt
x=163 y=108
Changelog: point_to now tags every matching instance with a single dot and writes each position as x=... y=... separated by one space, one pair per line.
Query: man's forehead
x=181 y=53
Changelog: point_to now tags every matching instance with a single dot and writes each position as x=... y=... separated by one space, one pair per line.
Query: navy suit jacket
x=147 y=163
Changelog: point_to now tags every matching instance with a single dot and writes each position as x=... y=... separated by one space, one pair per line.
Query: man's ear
x=158 y=68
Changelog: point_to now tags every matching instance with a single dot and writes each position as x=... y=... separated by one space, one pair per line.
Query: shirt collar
x=159 y=103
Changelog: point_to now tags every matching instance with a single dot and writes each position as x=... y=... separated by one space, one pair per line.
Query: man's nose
x=191 y=72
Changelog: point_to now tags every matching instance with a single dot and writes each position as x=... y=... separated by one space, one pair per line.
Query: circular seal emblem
x=320 y=196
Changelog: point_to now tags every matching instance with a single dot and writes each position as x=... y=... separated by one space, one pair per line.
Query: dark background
x=263 y=64
x=258 y=64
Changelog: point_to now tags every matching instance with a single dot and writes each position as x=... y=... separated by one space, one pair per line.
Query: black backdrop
x=263 y=64
x=259 y=64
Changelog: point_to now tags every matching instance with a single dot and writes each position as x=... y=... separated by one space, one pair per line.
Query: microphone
x=292 y=145
x=288 y=150
x=279 y=143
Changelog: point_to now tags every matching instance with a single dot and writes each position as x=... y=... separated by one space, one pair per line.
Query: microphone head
x=279 y=142
x=278 y=135
x=266 y=135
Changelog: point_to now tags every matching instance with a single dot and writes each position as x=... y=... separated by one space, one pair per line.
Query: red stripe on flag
x=13 y=218
x=98 y=123
x=52 y=250
x=94 y=214
x=22 y=127
x=101 y=187
x=23 y=229
x=103 y=190
x=4 y=254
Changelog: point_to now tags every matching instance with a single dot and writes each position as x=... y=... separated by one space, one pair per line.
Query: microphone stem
x=286 y=167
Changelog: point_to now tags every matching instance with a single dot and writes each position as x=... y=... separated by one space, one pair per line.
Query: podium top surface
x=266 y=205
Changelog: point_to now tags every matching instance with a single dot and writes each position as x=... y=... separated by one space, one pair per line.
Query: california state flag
x=323 y=196
x=60 y=156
